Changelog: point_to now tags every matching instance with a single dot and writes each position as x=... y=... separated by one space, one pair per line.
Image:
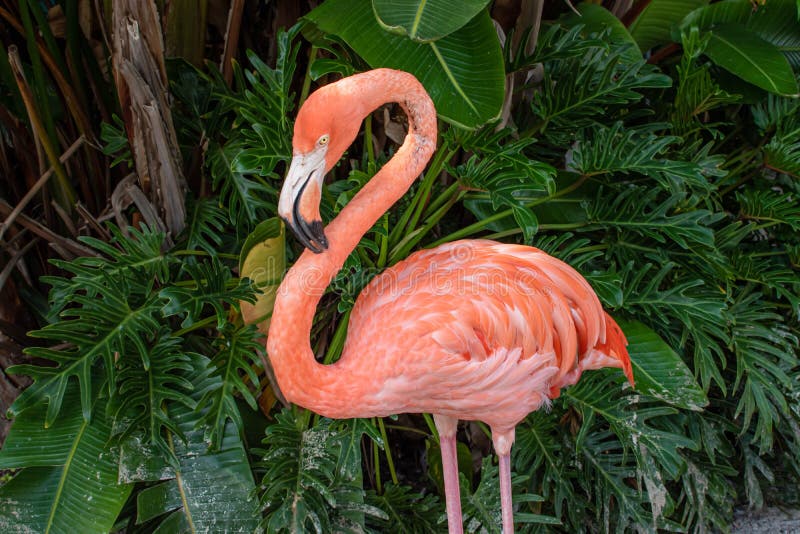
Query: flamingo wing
x=473 y=329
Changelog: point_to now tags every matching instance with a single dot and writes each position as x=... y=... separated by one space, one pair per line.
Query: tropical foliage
x=655 y=150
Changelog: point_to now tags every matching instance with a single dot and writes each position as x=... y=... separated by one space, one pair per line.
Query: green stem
x=434 y=169
x=368 y=139
x=441 y=199
x=480 y=225
x=307 y=80
x=384 y=237
x=404 y=247
x=204 y=253
x=431 y=426
x=199 y=324
x=337 y=342
x=388 y=452
x=376 y=461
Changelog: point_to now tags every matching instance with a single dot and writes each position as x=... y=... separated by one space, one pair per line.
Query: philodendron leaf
x=658 y=369
x=209 y=491
x=425 y=20
x=463 y=72
x=743 y=53
x=263 y=261
x=81 y=477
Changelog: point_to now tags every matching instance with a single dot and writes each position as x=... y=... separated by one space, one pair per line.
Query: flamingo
x=470 y=330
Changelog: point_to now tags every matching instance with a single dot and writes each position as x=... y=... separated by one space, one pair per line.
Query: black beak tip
x=310 y=234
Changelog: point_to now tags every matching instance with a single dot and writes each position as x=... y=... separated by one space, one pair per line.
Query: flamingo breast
x=473 y=329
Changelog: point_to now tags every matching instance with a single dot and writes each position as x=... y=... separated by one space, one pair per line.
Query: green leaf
x=652 y=26
x=481 y=508
x=425 y=20
x=596 y=20
x=303 y=485
x=31 y=444
x=212 y=285
x=625 y=150
x=659 y=371
x=210 y=491
x=774 y=21
x=447 y=68
x=82 y=477
x=107 y=322
x=407 y=512
x=745 y=54
x=263 y=260
x=236 y=362
x=585 y=81
x=143 y=394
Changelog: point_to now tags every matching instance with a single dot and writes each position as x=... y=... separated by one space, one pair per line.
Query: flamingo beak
x=299 y=202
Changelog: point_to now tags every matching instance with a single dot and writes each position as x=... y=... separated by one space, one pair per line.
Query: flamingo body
x=474 y=329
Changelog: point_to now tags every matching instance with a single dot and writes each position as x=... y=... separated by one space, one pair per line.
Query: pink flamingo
x=473 y=329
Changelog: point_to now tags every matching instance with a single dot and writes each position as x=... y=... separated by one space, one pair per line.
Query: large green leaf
x=425 y=20
x=597 y=19
x=652 y=26
x=210 y=491
x=659 y=371
x=775 y=21
x=463 y=72
x=748 y=56
x=81 y=476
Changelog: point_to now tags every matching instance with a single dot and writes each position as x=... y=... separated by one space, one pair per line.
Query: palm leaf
x=68 y=471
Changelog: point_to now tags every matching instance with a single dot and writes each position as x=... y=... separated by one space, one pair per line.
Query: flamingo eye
x=323 y=140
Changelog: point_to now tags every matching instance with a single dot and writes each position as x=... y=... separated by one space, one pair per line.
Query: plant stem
x=480 y=225
x=387 y=450
x=403 y=226
x=312 y=54
x=431 y=426
x=368 y=139
x=376 y=460
x=337 y=342
x=199 y=324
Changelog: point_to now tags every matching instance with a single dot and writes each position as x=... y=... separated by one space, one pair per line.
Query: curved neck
x=301 y=378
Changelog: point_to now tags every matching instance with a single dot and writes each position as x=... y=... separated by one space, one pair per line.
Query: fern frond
x=301 y=490
x=769 y=206
x=511 y=178
x=249 y=200
x=697 y=92
x=265 y=109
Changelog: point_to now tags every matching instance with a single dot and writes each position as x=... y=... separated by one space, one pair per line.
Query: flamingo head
x=326 y=125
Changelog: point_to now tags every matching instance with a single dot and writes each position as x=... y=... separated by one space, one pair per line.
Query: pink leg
x=502 y=446
x=452 y=494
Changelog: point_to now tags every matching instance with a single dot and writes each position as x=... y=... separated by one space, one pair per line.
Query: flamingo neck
x=329 y=389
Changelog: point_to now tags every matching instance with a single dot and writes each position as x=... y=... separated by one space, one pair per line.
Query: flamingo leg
x=502 y=446
x=452 y=494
